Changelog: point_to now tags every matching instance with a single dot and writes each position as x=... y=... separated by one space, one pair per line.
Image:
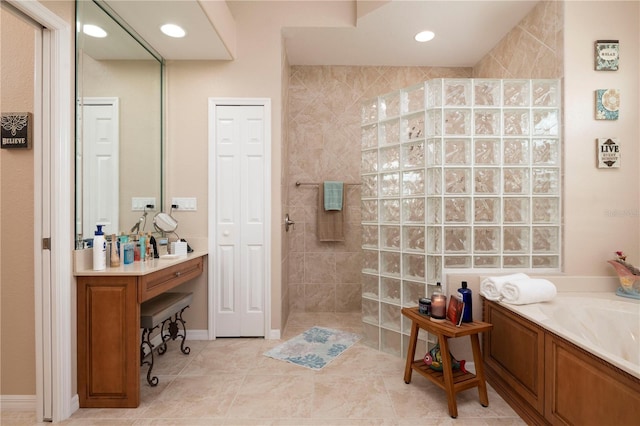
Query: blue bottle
x=466 y=294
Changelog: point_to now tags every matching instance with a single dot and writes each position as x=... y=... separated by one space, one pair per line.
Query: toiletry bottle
x=143 y=246
x=154 y=247
x=149 y=251
x=136 y=249
x=128 y=253
x=99 y=250
x=466 y=294
x=115 y=252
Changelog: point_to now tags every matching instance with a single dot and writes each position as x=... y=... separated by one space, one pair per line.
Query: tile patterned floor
x=231 y=382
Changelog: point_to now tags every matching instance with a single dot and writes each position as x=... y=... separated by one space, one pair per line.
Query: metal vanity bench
x=164 y=311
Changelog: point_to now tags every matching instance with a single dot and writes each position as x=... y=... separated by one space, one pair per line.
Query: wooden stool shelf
x=452 y=382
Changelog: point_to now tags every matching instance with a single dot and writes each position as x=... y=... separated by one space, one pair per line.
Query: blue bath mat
x=314 y=348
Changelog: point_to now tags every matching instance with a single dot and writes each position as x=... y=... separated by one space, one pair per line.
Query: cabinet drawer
x=154 y=284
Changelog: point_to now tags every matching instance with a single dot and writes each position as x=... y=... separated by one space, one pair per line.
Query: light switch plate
x=138 y=204
x=185 y=204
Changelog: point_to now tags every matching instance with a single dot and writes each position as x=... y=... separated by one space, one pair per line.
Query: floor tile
x=229 y=381
x=351 y=397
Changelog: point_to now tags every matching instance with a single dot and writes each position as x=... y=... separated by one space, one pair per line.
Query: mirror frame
x=81 y=239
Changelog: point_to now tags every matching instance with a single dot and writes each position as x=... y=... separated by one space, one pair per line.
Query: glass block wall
x=456 y=174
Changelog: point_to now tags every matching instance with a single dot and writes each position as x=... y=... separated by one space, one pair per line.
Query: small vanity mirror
x=118 y=124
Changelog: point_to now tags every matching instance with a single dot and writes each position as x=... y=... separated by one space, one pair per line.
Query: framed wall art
x=607 y=55
x=17 y=130
x=607 y=104
x=608 y=153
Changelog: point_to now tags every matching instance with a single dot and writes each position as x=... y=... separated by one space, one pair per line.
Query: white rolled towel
x=524 y=291
x=490 y=287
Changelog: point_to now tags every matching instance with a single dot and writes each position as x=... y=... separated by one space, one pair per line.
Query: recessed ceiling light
x=173 y=30
x=94 y=31
x=424 y=36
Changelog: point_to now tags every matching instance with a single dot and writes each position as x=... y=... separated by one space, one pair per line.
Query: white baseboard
x=197 y=335
x=191 y=335
x=75 y=404
x=18 y=402
x=274 y=335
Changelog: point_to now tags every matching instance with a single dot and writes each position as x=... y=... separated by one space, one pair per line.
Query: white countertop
x=82 y=265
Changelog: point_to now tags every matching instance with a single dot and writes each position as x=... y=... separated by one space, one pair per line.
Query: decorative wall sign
x=607 y=104
x=608 y=153
x=17 y=130
x=607 y=55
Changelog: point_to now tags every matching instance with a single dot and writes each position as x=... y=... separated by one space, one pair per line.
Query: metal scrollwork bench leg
x=146 y=343
x=172 y=331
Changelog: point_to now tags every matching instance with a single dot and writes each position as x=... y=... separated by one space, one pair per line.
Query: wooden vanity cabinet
x=108 y=308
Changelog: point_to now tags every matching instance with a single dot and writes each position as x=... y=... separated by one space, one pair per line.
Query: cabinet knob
x=178 y=273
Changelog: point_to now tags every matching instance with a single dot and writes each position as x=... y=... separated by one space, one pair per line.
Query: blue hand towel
x=333 y=195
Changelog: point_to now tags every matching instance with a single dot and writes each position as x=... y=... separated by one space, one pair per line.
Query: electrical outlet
x=185 y=204
x=138 y=204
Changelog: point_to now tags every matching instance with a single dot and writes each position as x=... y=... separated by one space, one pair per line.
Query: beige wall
x=324 y=137
x=17 y=215
x=601 y=207
x=17 y=327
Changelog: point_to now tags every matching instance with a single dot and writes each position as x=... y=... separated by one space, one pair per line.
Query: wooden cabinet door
x=582 y=390
x=108 y=342
x=514 y=353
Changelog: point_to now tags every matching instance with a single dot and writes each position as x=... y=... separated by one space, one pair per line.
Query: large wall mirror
x=119 y=81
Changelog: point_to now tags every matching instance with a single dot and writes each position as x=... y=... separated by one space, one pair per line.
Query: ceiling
x=465 y=32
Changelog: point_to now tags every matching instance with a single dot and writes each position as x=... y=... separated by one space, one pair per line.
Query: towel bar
x=316 y=183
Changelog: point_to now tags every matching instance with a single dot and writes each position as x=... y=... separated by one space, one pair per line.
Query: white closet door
x=101 y=146
x=240 y=258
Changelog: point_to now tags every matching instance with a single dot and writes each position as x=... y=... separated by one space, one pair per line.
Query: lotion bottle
x=466 y=295
x=99 y=250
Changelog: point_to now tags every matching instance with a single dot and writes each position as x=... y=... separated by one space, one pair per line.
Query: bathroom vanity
x=108 y=308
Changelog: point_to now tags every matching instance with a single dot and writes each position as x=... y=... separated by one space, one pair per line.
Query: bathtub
x=606 y=325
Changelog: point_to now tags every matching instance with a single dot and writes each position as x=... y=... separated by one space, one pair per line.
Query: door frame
x=56 y=128
x=211 y=285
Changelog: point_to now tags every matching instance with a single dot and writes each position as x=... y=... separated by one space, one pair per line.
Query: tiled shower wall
x=284 y=188
x=532 y=49
x=323 y=137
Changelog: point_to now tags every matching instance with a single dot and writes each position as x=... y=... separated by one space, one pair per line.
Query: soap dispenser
x=99 y=250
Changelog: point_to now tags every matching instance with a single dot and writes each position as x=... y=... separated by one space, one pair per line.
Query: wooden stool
x=165 y=309
x=452 y=382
